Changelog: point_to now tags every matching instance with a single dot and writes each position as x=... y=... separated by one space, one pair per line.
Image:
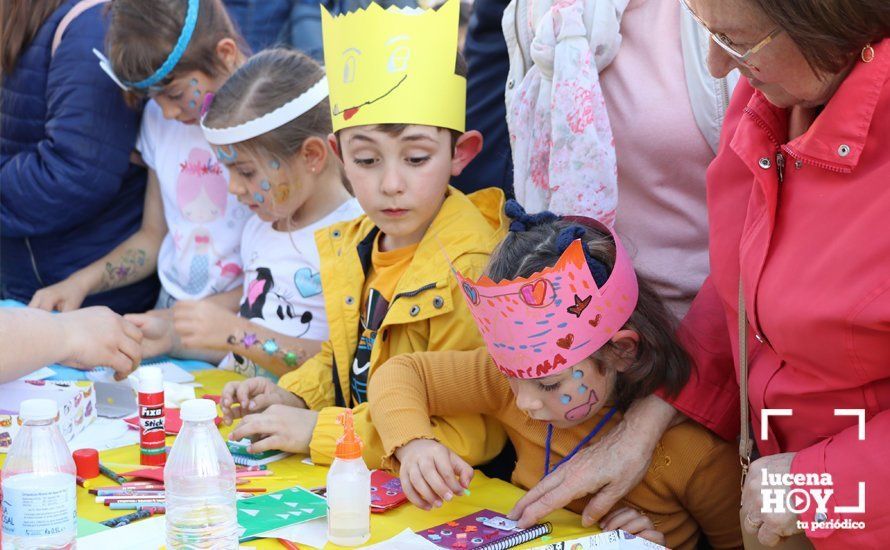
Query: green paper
x=86 y=527
x=264 y=513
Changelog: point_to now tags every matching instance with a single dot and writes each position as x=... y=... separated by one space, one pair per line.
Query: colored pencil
x=135 y=506
x=85 y=483
x=124 y=520
x=123 y=492
x=288 y=544
x=257 y=473
x=251 y=490
x=111 y=475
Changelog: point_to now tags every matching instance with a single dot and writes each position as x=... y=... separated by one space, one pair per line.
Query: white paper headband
x=269 y=121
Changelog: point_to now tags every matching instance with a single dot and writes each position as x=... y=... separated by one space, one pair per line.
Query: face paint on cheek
x=259 y=198
x=281 y=193
x=581 y=411
x=265 y=185
x=193 y=104
x=565 y=399
x=274 y=164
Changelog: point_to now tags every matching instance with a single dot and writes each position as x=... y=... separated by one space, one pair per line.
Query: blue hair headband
x=182 y=43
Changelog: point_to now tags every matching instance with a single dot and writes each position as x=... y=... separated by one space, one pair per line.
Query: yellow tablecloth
x=488 y=493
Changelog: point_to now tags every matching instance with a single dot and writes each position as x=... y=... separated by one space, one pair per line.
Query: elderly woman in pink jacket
x=790 y=334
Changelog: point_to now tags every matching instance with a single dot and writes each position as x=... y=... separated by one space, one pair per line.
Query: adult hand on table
x=278 y=427
x=431 y=473
x=97 y=336
x=254 y=395
x=606 y=470
x=769 y=528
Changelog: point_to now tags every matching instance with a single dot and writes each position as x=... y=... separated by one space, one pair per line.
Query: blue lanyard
x=577 y=448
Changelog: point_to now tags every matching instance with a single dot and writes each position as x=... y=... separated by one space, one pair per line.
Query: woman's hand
x=607 y=470
x=279 y=427
x=66 y=295
x=432 y=473
x=97 y=336
x=770 y=528
x=158 y=336
x=633 y=522
x=254 y=395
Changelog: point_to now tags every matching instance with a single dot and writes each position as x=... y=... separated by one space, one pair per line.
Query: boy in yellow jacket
x=398 y=115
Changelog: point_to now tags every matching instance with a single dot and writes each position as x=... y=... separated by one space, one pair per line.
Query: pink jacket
x=808 y=220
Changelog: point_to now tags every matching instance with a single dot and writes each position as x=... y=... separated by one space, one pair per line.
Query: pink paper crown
x=540 y=325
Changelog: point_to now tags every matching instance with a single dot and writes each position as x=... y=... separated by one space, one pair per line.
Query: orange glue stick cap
x=349 y=446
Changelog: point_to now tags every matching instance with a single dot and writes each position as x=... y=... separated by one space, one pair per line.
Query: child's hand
x=203 y=324
x=279 y=427
x=158 y=336
x=634 y=522
x=65 y=295
x=254 y=395
x=97 y=336
x=431 y=473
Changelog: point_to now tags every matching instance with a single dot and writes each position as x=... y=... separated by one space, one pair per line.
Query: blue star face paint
x=274 y=164
x=259 y=198
x=265 y=185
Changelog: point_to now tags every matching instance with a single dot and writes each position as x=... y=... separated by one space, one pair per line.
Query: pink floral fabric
x=563 y=150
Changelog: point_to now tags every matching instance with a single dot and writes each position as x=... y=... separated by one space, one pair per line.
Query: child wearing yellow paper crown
x=572 y=338
x=397 y=107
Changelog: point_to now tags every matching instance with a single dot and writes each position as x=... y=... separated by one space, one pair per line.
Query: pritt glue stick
x=151 y=417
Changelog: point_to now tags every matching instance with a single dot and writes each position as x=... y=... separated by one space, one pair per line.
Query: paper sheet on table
x=406 y=540
x=146 y=534
x=312 y=533
x=104 y=434
x=610 y=540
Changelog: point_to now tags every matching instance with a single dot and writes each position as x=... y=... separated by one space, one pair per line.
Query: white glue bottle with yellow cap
x=349 y=490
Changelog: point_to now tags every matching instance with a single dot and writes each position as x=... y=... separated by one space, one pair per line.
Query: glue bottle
x=39 y=499
x=349 y=490
x=152 y=435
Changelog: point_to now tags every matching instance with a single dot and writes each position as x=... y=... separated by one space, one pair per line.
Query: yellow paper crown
x=394 y=66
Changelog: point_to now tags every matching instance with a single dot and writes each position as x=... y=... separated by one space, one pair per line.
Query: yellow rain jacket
x=427 y=313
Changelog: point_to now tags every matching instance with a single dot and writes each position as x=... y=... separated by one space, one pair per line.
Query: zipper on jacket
x=780 y=166
x=412 y=293
x=34 y=262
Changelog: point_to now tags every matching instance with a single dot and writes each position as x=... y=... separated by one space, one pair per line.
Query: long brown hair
x=830 y=33
x=21 y=19
x=660 y=362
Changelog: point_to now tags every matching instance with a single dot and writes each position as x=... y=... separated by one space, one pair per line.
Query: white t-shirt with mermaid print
x=282 y=283
x=200 y=254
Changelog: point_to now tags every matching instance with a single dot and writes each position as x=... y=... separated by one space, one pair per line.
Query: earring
x=868 y=54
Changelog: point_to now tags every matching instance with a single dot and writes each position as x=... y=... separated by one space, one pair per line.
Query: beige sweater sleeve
x=409 y=389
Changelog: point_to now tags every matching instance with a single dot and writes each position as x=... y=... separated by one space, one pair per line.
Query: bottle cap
x=349 y=446
x=87 y=462
x=197 y=410
x=38 y=409
x=151 y=379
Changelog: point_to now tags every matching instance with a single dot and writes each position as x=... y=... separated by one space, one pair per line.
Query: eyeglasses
x=724 y=42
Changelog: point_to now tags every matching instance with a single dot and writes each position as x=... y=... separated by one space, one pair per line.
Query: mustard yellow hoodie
x=427 y=313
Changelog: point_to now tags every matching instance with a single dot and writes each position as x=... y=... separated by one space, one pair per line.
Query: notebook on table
x=482 y=530
x=244 y=458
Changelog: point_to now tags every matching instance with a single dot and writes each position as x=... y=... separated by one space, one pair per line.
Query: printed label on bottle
x=153 y=434
x=37 y=505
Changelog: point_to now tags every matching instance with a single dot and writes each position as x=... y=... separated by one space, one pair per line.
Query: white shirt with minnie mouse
x=282 y=282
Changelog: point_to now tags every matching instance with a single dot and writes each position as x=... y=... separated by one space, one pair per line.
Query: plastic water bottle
x=39 y=484
x=199 y=481
x=349 y=490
